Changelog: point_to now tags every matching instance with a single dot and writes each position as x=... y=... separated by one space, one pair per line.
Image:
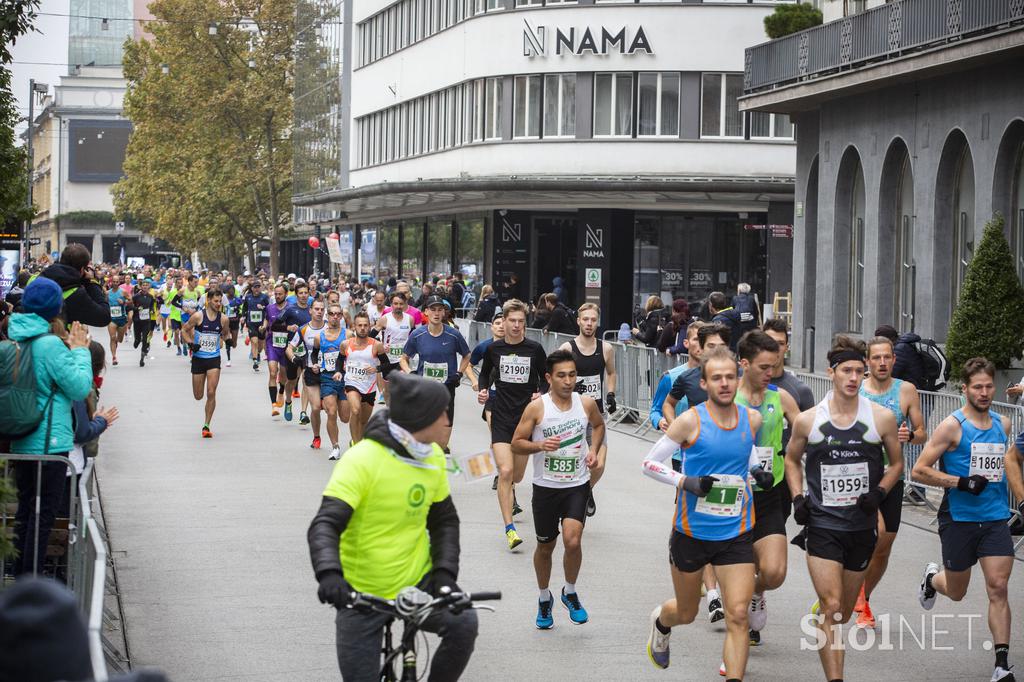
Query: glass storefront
x=470 y=245
x=439 y=248
x=387 y=251
x=412 y=252
x=368 y=253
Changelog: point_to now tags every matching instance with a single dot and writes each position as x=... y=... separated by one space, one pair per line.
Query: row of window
x=409 y=21
x=626 y=104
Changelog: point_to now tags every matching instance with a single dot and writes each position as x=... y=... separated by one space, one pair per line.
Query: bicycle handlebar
x=415 y=601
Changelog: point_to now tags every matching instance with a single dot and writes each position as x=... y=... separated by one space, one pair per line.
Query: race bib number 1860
x=987 y=461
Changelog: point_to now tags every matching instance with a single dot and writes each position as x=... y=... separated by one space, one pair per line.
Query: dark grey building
x=910 y=137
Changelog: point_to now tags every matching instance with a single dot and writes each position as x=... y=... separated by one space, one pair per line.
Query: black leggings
x=53 y=489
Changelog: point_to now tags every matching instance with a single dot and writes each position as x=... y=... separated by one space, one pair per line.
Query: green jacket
x=67 y=374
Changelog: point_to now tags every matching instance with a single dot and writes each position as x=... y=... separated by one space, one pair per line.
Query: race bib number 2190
x=513 y=369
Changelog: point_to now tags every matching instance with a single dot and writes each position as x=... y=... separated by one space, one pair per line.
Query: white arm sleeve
x=654 y=464
x=753 y=462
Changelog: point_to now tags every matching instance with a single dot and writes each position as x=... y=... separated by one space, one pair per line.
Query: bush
x=988 y=320
x=789 y=19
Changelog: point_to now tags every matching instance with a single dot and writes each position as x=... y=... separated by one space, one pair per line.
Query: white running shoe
x=927 y=601
x=757 y=612
x=657 y=643
x=1002 y=675
x=335 y=452
x=228 y=363
x=721 y=669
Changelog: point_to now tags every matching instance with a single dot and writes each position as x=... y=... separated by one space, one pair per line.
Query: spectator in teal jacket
x=63 y=375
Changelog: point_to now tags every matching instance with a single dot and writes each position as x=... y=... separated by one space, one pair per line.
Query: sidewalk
x=210 y=543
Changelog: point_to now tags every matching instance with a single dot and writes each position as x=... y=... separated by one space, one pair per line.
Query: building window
x=529 y=3
x=527 y=107
x=412 y=251
x=560 y=105
x=492 y=108
x=963 y=222
x=613 y=104
x=765 y=126
x=855 y=321
x=658 y=104
x=720 y=112
x=439 y=248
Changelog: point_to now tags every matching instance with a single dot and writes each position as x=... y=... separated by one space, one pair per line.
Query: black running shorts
x=769 y=518
x=964 y=542
x=851 y=548
x=551 y=505
x=204 y=365
x=365 y=398
x=690 y=554
x=891 y=508
x=310 y=378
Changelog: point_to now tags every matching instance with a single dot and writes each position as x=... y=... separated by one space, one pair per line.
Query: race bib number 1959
x=842 y=484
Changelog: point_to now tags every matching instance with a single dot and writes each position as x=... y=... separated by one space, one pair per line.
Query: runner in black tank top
x=591 y=369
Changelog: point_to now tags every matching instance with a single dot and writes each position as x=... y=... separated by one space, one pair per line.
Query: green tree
x=790 y=18
x=988 y=320
x=208 y=165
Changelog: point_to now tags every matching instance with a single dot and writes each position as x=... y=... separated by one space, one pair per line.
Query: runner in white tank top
x=364 y=361
x=394 y=329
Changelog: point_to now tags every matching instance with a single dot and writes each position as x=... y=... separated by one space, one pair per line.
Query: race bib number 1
x=725 y=497
x=513 y=369
x=842 y=484
x=987 y=460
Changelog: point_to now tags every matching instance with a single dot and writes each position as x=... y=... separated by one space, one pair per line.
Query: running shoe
x=179 y=350
x=815 y=607
x=335 y=452
x=247 y=340
x=925 y=594
x=859 y=606
x=165 y=336
x=721 y=669
x=142 y=361
x=513 y=538
x=227 y=364
x=207 y=433
x=545 y=619
x=866 y=619
x=755 y=637
x=295 y=394
x=303 y=418
x=115 y=362
x=1003 y=675
x=279 y=402
x=274 y=411
x=591 y=505
x=577 y=613
x=494 y=483
x=288 y=412
x=657 y=643
x=315 y=445
x=516 y=509
x=757 y=613
x=715 y=610
x=256 y=366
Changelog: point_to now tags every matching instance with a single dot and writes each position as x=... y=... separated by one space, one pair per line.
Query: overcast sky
x=41 y=55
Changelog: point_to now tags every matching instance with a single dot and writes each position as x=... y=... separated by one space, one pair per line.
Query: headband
x=845 y=355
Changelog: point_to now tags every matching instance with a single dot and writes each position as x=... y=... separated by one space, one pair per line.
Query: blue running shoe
x=287 y=412
x=545 y=621
x=577 y=613
x=657 y=643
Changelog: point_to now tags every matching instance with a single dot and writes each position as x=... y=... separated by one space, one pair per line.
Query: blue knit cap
x=43 y=297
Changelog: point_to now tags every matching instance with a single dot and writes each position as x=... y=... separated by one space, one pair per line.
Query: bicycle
x=413 y=606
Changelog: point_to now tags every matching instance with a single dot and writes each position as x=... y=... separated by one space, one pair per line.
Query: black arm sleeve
x=324 y=534
x=385 y=364
x=487 y=366
x=443 y=527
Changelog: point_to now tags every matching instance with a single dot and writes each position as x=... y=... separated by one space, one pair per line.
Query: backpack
x=936 y=366
x=20 y=413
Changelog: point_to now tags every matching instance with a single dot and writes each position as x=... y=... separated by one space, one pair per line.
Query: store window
x=439 y=248
x=368 y=252
x=412 y=252
x=492 y=108
x=658 y=104
x=560 y=105
x=526 y=90
x=470 y=246
x=387 y=251
x=613 y=105
x=720 y=112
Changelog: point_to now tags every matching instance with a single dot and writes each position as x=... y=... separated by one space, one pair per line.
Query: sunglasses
x=334 y=314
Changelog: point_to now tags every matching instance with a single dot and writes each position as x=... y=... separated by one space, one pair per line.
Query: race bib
x=116 y=311
x=842 y=484
x=438 y=371
x=395 y=351
x=330 y=360
x=189 y=305
x=143 y=314
x=513 y=369
x=987 y=459
x=765 y=455
x=725 y=497
x=300 y=350
x=561 y=468
x=229 y=311
x=279 y=339
x=357 y=372
x=165 y=310
x=255 y=315
x=591 y=386
x=208 y=342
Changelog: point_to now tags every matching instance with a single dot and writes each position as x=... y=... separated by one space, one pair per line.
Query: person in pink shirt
x=412 y=311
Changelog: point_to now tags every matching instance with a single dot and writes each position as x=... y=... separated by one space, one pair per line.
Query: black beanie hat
x=416 y=403
x=42 y=634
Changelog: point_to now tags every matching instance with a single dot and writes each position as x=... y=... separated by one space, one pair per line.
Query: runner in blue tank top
x=714 y=509
x=969 y=446
x=205 y=331
x=902 y=399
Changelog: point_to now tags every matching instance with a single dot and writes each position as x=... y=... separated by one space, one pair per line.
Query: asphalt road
x=209 y=539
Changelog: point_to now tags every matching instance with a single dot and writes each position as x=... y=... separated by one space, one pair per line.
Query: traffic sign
x=119 y=226
x=593 y=278
x=34 y=241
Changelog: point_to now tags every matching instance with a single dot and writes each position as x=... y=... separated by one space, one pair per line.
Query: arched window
x=855 y=321
x=848 y=243
x=906 y=268
x=963 y=220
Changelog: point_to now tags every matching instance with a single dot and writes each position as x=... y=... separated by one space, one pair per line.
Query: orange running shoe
x=861 y=602
x=295 y=394
x=279 y=403
x=207 y=433
x=274 y=411
x=866 y=619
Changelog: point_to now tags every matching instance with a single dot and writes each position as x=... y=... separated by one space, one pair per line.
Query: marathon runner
x=394 y=328
x=375 y=308
x=144 y=305
x=758 y=354
x=476 y=357
x=276 y=332
x=328 y=347
x=203 y=332
x=845 y=439
x=233 y=311
x=163 y=297
x=970 y=445
x=688 y=384
x=118 y=302
x=188 y=300
x=657 y=416
x=553 y=430
x=300 y=350
x=365 y=362
x=594 y=360
x=173 y=300
x=254 y=307
x=778 y=329
x=437 y=346
x=714 y=510
x=902 y=399
x=293 y=318
x=517 y=366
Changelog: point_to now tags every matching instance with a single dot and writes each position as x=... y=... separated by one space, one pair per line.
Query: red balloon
x=314 y=243
x=332 y=235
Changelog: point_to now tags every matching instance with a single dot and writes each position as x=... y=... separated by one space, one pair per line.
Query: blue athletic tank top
x=208 y=337
x=978 y=452
x=330 y=351
x=728 y=510
x=890 y=400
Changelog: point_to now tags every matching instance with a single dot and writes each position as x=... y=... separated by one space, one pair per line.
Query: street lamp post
x=33 y=88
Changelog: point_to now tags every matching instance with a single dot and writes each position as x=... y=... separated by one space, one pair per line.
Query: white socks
x=713 y=594
x=545 y=594
x=570 y=588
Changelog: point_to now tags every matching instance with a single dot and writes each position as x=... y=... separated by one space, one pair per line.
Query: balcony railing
x=891 y=30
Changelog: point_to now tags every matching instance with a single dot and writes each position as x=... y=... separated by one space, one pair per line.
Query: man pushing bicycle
x=368 y=535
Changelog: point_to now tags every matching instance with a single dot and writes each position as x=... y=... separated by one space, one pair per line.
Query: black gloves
x=764 y=479
x=972 y=484
x=609 y=401
x=869 y=502
x=334 y=590
x=699 y=485
x=801 y=511
x=442 y=578
x=194 y=347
